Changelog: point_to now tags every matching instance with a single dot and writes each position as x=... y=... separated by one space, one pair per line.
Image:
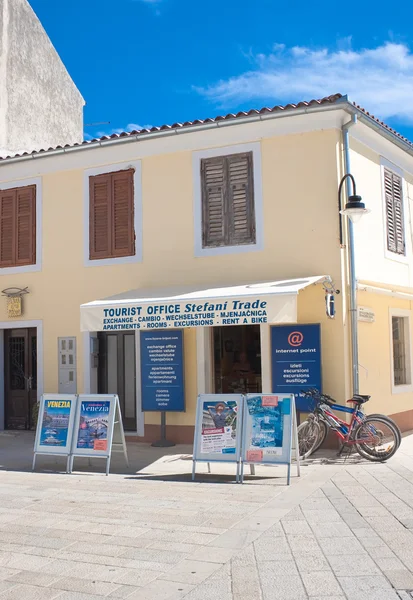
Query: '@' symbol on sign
x=295 y=338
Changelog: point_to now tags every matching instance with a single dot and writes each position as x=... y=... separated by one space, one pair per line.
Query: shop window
x=237 y=359
x=401 y=351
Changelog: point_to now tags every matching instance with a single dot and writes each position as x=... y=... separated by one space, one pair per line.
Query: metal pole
x=163 y=442
x=352 y=266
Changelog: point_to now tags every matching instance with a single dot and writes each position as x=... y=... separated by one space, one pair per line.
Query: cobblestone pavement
x=343 y=530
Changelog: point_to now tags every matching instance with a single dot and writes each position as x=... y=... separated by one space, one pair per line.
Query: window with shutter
x=18 y=226
x=228 y=213
x=111 y=215
x=394 y=212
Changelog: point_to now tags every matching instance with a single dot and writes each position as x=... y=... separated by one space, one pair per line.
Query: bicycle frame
x=337 y=424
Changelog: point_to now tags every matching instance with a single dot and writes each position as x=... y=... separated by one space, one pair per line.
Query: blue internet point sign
x=296 y=361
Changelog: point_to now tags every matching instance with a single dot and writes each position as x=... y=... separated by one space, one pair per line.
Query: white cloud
x=129 y=127
x=380 y=79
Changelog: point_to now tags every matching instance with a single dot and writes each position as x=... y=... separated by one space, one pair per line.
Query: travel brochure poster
x=55 y=423
x=219 y=427
x=265 y=432
x=93 y=425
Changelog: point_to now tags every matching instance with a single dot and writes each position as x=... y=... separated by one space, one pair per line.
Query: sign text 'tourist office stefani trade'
x=248 y=311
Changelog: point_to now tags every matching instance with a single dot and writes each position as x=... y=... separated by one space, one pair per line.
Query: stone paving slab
x=344 y=530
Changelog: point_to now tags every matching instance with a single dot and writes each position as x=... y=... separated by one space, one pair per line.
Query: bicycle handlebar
x=317 y=395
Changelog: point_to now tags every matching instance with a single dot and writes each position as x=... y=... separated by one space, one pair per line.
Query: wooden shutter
x=7 y=228
x=25 y=226
x=241 y=199
x=111 y=215
x=99 y=217
x=123 y=232
x=18 y=226
x=214 y=215
x=394 y=212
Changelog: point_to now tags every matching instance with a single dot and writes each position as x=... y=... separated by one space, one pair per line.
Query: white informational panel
x=94 y=427
x=269 y=431
x=218 y=429
x=55 y=423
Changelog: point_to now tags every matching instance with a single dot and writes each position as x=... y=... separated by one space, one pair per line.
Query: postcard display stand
x=55 y=423
x=218 y=430
x=98 y=428
x=269 y=432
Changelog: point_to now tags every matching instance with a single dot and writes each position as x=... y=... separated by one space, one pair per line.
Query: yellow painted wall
x=299 y=175
x=375 y=356
x=335 y=371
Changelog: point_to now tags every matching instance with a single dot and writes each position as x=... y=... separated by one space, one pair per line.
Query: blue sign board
x=162 y=370
x=296 y=361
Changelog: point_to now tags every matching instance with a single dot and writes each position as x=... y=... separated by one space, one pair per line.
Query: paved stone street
x=343 y=530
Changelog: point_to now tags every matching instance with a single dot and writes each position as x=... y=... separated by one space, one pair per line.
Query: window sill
x=106 y=262
x=393 y=256
x=220 y=250
x=21 y=269
x=402 y=389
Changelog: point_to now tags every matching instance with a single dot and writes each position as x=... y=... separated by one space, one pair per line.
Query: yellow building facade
x=296 y=164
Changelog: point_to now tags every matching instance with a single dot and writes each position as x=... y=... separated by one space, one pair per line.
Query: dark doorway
x=20 y=380
x=237 y=359
x=117 y=372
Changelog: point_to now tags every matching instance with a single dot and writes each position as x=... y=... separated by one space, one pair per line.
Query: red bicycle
x=375 y=437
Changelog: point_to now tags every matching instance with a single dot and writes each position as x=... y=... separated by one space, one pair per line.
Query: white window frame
x=399 y=312
x=400 y=258
x=137 y=200
x=255 y=148
x=37 y=181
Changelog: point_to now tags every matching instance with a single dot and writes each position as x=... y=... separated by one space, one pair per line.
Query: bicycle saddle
x=359 y=399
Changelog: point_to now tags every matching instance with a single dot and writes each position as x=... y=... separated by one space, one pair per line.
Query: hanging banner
x=162 y=371
x=296 y=361
x=218 y=428
x=55 y=422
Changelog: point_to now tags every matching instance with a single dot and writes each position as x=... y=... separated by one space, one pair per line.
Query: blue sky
x=149 y=62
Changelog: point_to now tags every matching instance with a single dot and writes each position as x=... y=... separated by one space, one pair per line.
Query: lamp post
x=354 y=210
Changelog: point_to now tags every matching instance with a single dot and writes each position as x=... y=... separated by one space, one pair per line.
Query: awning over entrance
x=157 y=308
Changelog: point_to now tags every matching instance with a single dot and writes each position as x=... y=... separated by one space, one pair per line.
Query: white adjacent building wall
x=40 y=106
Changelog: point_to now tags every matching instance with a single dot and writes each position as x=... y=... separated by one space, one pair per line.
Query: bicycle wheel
x=308 y=436
x=376 y=439
x=386 y=418
x=322 y=436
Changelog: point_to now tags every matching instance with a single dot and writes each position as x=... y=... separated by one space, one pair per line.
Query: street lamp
x=354 y=210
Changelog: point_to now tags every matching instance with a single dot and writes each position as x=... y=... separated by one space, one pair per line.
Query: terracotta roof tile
x=333 y=99
x=393 y=131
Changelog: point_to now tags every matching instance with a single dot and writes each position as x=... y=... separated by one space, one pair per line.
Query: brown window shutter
x=100 y=233
x=122 y=221
x=7 y=228
x=25 y=226
x=241 y=199
x=394 y=212
x=214 y=214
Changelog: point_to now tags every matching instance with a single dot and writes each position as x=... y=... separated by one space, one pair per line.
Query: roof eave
x=373 y=124
x=175 y=131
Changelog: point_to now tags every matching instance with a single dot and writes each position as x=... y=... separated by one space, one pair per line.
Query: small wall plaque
x=14 y=301
x=14 y=306
x=367 y=315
